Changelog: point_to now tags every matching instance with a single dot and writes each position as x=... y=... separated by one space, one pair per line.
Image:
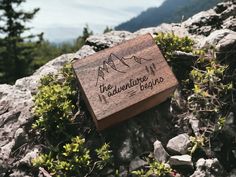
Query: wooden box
x=123 y=81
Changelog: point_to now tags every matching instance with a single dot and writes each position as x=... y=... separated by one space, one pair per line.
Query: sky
x=63 y=20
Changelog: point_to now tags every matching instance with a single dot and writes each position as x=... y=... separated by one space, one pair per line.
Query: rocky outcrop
x=208 y=167
x=214 y=27
x=220 y=17
x=16 y=103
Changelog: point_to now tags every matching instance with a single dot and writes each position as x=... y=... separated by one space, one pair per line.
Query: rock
x=194 y=122
x=230 y=126
x=215 y=37
x=219 y=8
x=224 y=41
x=52 y=67
x=227 y=42
x=226 y=48
x=232 y=173
x=160 y=153
x=136 y=164
x=20 y=137
x=125 y=153
x=109 y=172
x=123 y=172
x=230 y=11
x=183 y=60
x=180 y=160
x=230 y=23
x=17 y=104
x=175 y=28
x=99 y=42
x=203 y=23
x=28 y=157
x=184 y=56
x=142 y=134
x=179 y=144
x=84 y=51
x=208 y=167
x=18 y=173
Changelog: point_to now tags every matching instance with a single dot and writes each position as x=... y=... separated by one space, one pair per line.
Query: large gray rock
x=208 y=168
x=224 y=41
x=175 y=28
x=203 y=23
x=230 y=10
x=230 y=23
x=179 y=144
x=31 y=83
x=160 y=153
x=15 y=115
x=218 y=37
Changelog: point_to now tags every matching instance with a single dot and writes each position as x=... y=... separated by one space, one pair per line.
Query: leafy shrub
x=58 y=121
x=207 y=89
x=74 y=159
x=105 y=156
x=170 y=43
x=154 y=168
x=212 y=87
x=196 y=143
x=55 y=104
x=209 y=96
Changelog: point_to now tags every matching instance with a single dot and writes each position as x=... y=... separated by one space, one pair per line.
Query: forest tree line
x=21 y=54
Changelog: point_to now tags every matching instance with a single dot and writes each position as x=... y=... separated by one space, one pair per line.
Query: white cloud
x=65 y=19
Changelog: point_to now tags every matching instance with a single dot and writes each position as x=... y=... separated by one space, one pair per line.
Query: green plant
x=55 y=104
x=58 y=120
x=221 y=122
x=170 y=43
x=154 y=168
x=209 y=97
x=105 y=156
x=196 y=142
x=211 y=90
x=74 y=159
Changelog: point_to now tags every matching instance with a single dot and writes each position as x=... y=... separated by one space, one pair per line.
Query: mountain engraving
x=109 y=63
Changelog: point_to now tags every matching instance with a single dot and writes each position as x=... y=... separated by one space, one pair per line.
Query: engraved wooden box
x=120 y=82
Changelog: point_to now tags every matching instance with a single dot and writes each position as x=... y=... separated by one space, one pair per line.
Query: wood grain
x=123 y=81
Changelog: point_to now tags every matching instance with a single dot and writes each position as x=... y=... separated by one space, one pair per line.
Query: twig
x=45 y=173
x=91 y=169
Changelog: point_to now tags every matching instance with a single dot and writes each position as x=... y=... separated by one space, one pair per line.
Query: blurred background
x=32 y=32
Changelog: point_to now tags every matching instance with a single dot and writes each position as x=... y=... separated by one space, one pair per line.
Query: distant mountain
x=169 y=11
